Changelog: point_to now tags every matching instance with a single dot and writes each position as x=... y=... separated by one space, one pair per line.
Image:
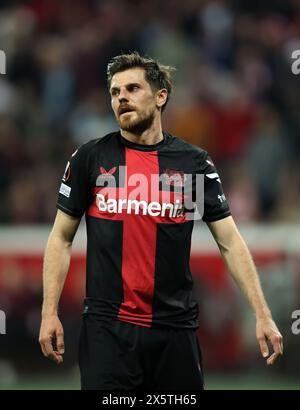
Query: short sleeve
x=215 y=203
x=74 y=194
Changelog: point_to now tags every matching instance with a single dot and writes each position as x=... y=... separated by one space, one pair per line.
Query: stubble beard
x=139 y=125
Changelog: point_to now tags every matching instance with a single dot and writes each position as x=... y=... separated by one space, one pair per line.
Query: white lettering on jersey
x=222 y=198
x=154 y=208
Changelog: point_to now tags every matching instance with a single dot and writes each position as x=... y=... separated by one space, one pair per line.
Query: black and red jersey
x=138 y=227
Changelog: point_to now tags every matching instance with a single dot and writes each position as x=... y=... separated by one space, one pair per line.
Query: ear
x=161 y=97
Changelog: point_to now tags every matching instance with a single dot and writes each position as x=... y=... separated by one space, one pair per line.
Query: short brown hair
x=156 y=74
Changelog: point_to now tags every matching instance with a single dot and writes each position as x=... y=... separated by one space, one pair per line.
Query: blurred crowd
x=235 y=94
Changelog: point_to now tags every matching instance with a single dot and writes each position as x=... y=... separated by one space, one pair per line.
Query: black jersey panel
x=173 y=301
x=104 y=259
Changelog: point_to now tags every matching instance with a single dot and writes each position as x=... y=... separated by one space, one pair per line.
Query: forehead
x=132 y=75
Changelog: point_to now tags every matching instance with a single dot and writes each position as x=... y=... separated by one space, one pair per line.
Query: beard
x=139 y=125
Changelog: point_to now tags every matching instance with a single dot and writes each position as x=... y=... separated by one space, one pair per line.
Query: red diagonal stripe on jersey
x=138 y=267
x=139 y=235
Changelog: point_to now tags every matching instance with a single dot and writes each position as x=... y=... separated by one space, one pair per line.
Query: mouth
x=125 y=110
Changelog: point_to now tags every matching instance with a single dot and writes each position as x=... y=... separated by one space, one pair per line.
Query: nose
x=123 y=96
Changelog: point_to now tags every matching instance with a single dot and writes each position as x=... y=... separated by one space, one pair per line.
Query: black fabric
x=104 y=260
x=215 y=204
x=120 y=356
x=173 y=296
x=89 y=169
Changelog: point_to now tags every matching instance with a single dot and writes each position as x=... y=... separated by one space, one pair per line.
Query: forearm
x=56 y=264
x=240 y=264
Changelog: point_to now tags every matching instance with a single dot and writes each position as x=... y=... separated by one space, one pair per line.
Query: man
x=139 y=315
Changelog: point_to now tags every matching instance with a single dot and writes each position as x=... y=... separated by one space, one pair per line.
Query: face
x=133 y=101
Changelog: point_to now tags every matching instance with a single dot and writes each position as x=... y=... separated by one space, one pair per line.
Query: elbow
x=60 y=241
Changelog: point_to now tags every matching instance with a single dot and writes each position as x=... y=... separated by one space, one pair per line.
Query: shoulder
x=196 y=153
x=92 y=146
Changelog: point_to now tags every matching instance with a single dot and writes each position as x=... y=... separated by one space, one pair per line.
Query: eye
x=114 y=92
x=133 y=88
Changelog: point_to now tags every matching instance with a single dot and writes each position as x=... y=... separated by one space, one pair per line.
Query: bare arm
x=239 y=262
x=56 y=265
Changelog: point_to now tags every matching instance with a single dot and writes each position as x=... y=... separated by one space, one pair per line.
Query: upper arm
x=65 y=227
x=215 y=204
x=225 y=232
x=75 y=194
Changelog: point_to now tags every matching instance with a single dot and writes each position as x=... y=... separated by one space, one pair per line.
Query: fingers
x=43 y=349
x=263 y=346
x=60 y=342
x=267 y=331
x=271 y=360
x=49 y=352
x=52 y=331
x=277 y=344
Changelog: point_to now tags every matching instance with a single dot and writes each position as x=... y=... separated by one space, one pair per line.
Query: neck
x=152 y=135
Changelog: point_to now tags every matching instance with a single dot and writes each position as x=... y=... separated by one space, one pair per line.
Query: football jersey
x=140 y=203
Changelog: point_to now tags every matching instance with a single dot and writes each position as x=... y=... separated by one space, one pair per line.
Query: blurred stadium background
x=235 y=96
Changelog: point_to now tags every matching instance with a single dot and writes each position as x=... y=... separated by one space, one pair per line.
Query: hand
x=266 y=330
x=52 y=330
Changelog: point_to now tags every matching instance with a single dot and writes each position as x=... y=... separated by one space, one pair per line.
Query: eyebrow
x=127 y=85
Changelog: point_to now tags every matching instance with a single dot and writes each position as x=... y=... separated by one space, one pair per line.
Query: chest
x=144 y=184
